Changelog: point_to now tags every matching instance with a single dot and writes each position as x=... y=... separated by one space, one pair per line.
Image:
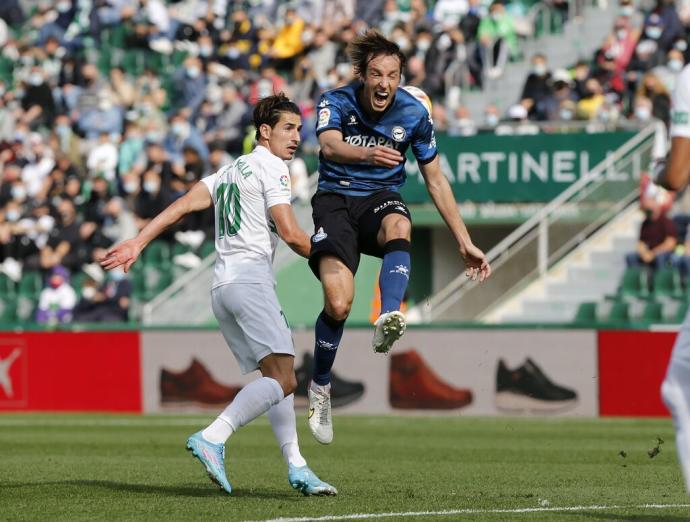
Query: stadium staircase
x=563 y=45
x=565 y=264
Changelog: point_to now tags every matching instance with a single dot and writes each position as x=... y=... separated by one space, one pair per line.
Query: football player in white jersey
x=252 y=206
x=675 y=389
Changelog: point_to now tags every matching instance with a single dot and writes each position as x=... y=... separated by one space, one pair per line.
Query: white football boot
x=389 y=328
x=319 y=416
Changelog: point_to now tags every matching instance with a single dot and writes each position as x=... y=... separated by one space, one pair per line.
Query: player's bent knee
x=338 y=309
x=399 y=227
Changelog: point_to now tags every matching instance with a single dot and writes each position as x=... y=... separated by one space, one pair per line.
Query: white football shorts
x=252 y=322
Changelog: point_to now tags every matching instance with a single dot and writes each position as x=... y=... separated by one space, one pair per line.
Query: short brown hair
x=269 y=108
x=368 y=46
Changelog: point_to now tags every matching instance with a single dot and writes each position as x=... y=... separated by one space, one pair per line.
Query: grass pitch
x=95 y=467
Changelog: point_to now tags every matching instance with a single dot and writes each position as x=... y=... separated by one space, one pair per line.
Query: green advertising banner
x=511 y=169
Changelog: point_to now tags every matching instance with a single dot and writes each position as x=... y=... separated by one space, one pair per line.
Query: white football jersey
x=246 y=237
x=680 y=108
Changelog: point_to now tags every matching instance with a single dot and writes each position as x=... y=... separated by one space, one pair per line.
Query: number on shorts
x=229 y=207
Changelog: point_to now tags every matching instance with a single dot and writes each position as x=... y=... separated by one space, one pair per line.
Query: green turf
x=88 y=467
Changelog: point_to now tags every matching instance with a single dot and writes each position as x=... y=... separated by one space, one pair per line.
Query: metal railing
x=531 y=249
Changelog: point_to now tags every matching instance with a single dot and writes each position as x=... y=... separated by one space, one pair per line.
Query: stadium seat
x=667 y=282
x=77 y=281
x=635 y=283
x=653 y=312
x=8 y=308
x=586 y=313
x=26 y=308
x=179 y=249
x=30 y=284
x=207 y=248
x=7 y=286
x=619 y=312
x=155 y=280
x=157 y=254
x=680 y=312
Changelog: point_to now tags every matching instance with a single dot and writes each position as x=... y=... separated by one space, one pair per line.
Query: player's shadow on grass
x=153 y=489
x=651 y=517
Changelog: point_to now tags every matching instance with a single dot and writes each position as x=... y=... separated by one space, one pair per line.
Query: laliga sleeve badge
x=324 y=117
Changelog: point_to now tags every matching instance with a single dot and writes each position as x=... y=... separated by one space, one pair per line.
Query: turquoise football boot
x=212 y=456
x=304 y=480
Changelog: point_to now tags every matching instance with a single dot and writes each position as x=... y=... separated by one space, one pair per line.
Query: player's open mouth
x=380 y=98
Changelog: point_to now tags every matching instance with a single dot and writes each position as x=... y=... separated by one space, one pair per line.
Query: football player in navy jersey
x=364 y=130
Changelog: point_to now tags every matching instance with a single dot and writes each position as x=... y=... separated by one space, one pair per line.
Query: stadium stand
x=120 y=106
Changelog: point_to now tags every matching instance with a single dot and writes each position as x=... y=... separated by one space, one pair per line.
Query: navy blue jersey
x=405 y=122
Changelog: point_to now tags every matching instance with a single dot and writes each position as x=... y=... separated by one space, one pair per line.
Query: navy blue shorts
x=347 y=226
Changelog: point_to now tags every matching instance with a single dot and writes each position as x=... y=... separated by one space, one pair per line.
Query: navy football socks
x=328 y=334
x=395 y=274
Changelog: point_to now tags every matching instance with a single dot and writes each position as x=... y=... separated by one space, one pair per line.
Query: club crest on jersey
x=398 y=133
x=324 y=117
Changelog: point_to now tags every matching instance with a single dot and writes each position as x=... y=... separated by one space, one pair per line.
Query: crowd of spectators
x=630 y=77
x=111 y=109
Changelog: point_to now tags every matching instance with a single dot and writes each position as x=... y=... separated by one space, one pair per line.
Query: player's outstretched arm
x=127 y=252
x=289 y=230
x=335 y=149
x=476 y=264
x=677 y=172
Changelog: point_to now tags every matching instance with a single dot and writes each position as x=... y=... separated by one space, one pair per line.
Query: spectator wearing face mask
x=189 y=86
x=67 y=142
x=11 y=235
x=12 y=186
x=668 y=72
x=288 y=41
x=538 y=89
x=57 y=299
x=617 y=51
x=492 y=117
x=106 y=118
x=651 y=87
x=107 y=303
x=38 y=102
x=182 y=134
x=498 y=39
x=668 y=20
x=131 y=148
x=663 y=27
x=681 y=45
x=103 y=157
x=39 y=163
x=562 y=91
x=641 y=109
x=64 y=243
x=658 y=234
x=151 y=200
x=592 y=99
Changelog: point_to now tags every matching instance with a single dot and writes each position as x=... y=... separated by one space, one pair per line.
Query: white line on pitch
x=359 y=516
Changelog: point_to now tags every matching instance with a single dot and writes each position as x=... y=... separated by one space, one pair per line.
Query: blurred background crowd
x=111 y=109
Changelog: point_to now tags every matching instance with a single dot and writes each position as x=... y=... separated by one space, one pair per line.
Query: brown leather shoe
x=194 y=385
x=413 y=385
